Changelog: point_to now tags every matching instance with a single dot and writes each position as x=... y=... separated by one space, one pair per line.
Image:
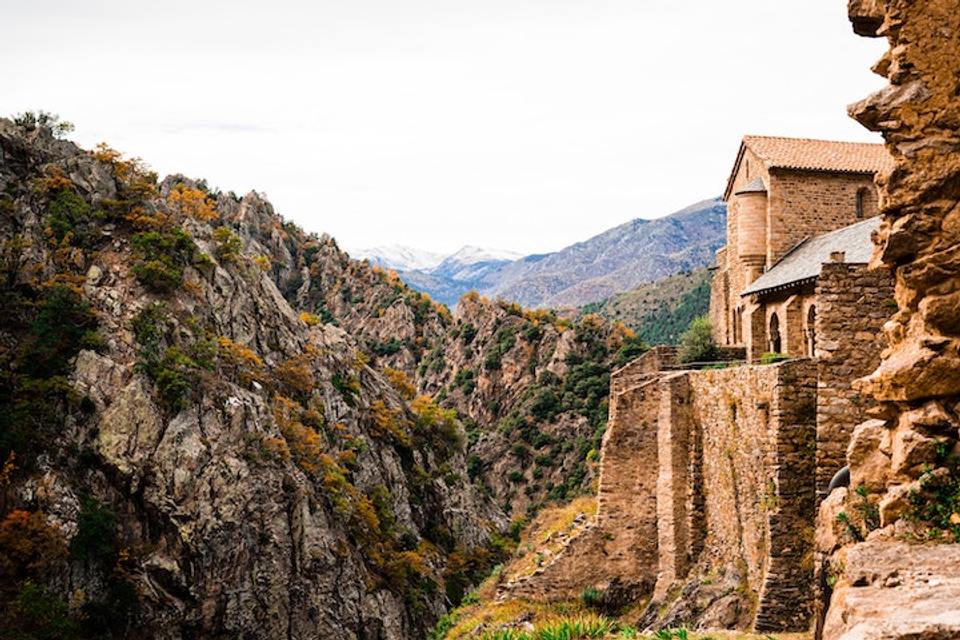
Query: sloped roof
x=806 y=154
x=754 y=186
x=804 y=261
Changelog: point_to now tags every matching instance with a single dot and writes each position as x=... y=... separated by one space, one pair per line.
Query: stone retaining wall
x=701 y=472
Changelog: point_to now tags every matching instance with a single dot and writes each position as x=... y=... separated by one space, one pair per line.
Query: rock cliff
x=903 y=464
x=185 y=455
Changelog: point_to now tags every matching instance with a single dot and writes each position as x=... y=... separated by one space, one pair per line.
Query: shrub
x=468 y=333
x=348 y=386
x=295 y=374
x=696 y=343
x=439 y=427
x=189 y=202
x=387 y=348
x=938 y=502
x=29 y=547
x=632 y=348
x=95 y=540
x=162 y=258
x=303 y=442
x=229 y=244
x=70 y=217
x=389 y=423
x=309 y=319
x=32 y=120
x=399 y=380
x=35 y=613
x=545 y=405
x=466 y=379
x=64 y=324
x=592 y=597
x=245 y=365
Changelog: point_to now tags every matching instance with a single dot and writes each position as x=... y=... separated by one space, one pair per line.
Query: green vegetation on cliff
x=660 y=311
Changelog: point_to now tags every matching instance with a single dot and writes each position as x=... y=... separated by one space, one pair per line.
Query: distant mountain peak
x=469 y=254
x=399 y=257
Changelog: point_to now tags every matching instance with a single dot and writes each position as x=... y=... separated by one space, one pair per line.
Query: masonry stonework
x=781 y=192
x=853 y=302
x=706 y=486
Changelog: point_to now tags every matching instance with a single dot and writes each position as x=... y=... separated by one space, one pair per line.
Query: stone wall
x=756 y=426
x=618 y=548
x=853 y=302
x=806 y=204
x=703 y=473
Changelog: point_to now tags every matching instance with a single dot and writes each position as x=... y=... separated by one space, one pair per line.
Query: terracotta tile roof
x=819 y=155
x=805 y=154
x=804 y=261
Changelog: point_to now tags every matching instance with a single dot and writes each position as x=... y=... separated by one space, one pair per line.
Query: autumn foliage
x=189 y=202
x=29 y=546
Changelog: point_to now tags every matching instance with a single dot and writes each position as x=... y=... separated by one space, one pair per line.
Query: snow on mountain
x=469 y=254
x=399 y=257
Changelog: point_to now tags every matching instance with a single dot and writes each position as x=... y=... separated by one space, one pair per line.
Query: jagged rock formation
x=532 y=386
x=904 y=460
x=183 y=455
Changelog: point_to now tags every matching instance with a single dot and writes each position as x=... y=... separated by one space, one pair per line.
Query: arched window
x=812 y=331
x=861 y=202
x=774 y=335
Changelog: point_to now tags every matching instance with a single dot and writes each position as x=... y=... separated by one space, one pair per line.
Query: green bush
x=545 y=405
x=64 y=324
x=36 y=614
x=592 y=597
x=631 y=349
x=468 y=333
x=938 y=501
x=95 y=540
x=162 y=256
x=696 y=343
x=348 y=386
x=466 y=379
x=229 y=244
x=69 y=214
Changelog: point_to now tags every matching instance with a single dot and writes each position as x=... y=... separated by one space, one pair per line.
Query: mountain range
x=619 y=259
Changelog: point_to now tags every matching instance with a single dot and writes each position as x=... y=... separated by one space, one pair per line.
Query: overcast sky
x=514 y=124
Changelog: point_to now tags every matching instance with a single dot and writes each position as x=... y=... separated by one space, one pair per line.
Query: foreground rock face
x=902 y=462
x=888 y=590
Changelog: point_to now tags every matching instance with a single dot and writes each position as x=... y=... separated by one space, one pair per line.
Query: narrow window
x=861 y=202
x=812 y=331
x=774 y=335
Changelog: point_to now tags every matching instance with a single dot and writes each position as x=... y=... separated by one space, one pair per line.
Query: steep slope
x=530 y=386
x=617 y=260
x=181 y=454
x=659 y=311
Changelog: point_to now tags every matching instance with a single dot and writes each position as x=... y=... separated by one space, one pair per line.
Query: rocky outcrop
x=902 y=462
x=891 y=590
x=532 y=386
x=204 y=460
